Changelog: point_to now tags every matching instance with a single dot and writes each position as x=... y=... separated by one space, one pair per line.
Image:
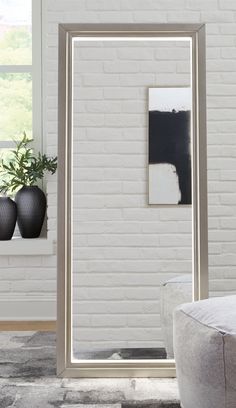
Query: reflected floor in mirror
x=122 y=354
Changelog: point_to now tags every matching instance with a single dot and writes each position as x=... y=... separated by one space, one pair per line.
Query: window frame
x=35 y=69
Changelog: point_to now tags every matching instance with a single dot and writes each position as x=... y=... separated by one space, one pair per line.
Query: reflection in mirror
x=131 y=204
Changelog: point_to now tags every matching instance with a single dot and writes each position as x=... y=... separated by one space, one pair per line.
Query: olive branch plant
x=23 y=167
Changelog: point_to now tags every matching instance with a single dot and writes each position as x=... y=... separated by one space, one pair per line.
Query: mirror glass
x=131 y=195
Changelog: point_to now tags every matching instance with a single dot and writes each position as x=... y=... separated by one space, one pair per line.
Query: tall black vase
x=8 y=214
x=31 y=208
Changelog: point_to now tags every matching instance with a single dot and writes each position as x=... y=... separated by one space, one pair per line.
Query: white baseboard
x=27 y=308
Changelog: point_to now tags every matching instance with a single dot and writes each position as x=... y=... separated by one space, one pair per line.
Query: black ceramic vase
x=8 y=214
x=31 y=208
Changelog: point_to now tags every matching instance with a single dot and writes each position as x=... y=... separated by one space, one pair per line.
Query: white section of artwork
x=163 y=184
x=166 y=99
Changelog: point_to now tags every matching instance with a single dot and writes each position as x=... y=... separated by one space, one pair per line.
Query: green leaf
x=25 y=167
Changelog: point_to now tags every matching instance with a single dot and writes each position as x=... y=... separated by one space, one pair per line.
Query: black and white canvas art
x=170 y=145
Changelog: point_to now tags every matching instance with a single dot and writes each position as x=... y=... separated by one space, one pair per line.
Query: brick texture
x=109 y=291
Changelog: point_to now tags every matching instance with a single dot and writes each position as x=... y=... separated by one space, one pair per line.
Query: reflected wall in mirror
x=130 y=197
x=131 y=263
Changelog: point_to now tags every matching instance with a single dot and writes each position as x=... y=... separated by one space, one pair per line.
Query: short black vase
x=31 y=208
x=8 y=215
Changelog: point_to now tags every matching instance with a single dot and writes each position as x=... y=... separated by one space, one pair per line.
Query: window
x=19 y=96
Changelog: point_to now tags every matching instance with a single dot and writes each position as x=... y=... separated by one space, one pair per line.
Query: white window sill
x=24 y=246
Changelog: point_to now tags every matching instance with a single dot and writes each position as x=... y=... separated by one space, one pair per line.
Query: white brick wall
x=37 y=275
x=113 y=188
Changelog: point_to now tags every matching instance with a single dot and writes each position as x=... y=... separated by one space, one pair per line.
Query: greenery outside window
x=20 y=78
x=20 y=71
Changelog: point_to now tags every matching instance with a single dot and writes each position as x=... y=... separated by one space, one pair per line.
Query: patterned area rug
x=28 y=380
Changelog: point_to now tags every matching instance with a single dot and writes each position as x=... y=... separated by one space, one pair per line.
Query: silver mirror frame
x=135 y=368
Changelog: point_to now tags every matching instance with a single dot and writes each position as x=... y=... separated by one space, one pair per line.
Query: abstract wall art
x=169 y=164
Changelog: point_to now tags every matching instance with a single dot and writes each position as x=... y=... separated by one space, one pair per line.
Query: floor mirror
x=132 y=194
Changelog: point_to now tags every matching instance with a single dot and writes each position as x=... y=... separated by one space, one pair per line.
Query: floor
x=28 y=380
x=122 y=354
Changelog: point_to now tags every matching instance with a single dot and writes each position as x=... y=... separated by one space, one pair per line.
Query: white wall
x=124 y=249
x=33 y=278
